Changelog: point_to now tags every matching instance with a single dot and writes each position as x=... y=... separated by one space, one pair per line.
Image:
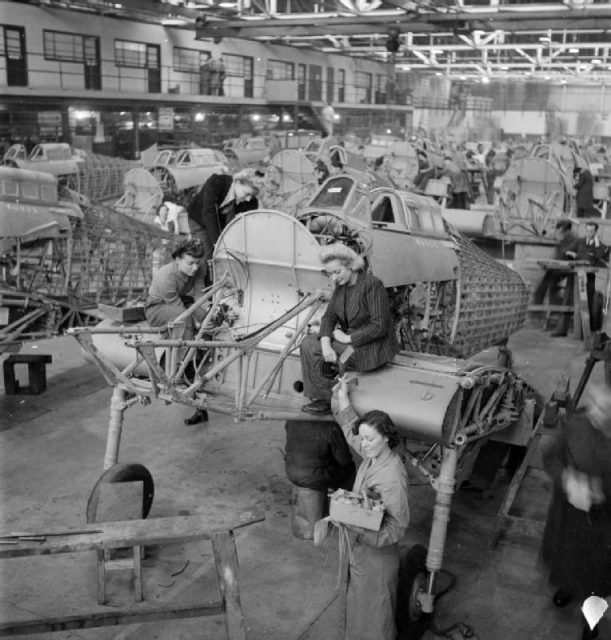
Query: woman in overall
x=371 y=563
x=175 y=286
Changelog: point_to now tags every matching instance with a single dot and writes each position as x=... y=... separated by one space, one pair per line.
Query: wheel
x=123 y=472
x=411 y=621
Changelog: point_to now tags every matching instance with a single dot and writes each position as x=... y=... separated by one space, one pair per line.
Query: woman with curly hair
x=174 y=287
x=177 y=284
x=357 y=317
x=371 y=565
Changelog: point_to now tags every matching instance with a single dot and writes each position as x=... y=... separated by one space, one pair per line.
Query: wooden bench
x=576 y=273
x=102 y=536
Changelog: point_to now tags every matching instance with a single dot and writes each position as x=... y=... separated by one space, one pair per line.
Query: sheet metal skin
x=413 y=247
x=30 y=208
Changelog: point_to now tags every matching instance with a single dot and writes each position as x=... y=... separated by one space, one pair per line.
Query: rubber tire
x=412 y=568
x=123 y=472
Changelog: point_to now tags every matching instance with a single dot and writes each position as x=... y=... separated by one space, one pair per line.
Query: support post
x=444 y=490
x=115 y=426
x=226 y=561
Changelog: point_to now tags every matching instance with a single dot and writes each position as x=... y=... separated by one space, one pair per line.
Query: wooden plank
x=90 y=620
x=503 y=516
x=552 y=308
x=226 y=561
x=524 y=526
x=110 y=535
x=582 y=302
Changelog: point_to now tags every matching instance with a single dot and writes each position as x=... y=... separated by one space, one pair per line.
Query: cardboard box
x=355 y=514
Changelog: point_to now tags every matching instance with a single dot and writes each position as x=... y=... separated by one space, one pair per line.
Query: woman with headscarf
x=357 y=317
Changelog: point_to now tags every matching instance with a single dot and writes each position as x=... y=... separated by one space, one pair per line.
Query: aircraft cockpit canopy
x=344 y=196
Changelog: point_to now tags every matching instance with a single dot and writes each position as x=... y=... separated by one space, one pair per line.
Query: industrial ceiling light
x=596 y=61
x=573 y=50
x=485 y=80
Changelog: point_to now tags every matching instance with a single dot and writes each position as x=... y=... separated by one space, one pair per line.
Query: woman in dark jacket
x=576 y=546
x=219 y=201
x=357 y=317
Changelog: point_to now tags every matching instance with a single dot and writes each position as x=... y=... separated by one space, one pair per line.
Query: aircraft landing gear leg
x=115 y=426
x=115 y=472
x=419 y=568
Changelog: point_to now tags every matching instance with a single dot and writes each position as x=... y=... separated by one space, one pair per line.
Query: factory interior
x=305 y=318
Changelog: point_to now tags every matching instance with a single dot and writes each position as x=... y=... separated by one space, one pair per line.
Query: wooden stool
x=118 y=502
x=37 y=373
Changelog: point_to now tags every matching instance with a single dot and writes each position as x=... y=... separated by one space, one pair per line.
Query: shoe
x=562 y=598
x=559 y=334
x=317 y=408
x=201 y=415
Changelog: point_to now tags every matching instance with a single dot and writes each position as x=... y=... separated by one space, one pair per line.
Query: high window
x=130 y=54
x=238 y=75
x=67 y=47
x=362 y=87
x=341 y=85
x=189 y=60
x=280 y=70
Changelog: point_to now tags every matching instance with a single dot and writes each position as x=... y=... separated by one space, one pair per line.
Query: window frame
x=195 y=69
x=143 y=54
x=59 y=58
x=288 y=66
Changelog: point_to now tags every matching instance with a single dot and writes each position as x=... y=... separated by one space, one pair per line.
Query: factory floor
x=52 y=447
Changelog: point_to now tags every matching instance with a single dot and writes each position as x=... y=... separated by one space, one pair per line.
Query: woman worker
x=372 y=561
x=173 y=288
x=220 y=200
x=357 y=316
x=576 y=545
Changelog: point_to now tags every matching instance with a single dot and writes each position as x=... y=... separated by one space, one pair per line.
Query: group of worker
x=558 y=285
x=357 y=334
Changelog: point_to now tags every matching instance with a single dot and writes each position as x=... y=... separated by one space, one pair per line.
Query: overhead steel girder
x=313 y=25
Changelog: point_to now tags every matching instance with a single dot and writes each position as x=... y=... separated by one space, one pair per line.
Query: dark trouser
x=315 y=385
x=593 y=306
x=564 y=318
x=551 y=281
x=460 y=200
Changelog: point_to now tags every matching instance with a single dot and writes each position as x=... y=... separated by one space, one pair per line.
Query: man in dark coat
x=220 y=200
x=596 y=253
x=576 y=546
x=566 y=249
x=584 y=193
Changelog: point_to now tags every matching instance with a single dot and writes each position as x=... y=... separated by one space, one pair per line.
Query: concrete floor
x=52 y=447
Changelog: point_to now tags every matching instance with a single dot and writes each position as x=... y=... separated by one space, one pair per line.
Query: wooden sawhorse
x=101 y=536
